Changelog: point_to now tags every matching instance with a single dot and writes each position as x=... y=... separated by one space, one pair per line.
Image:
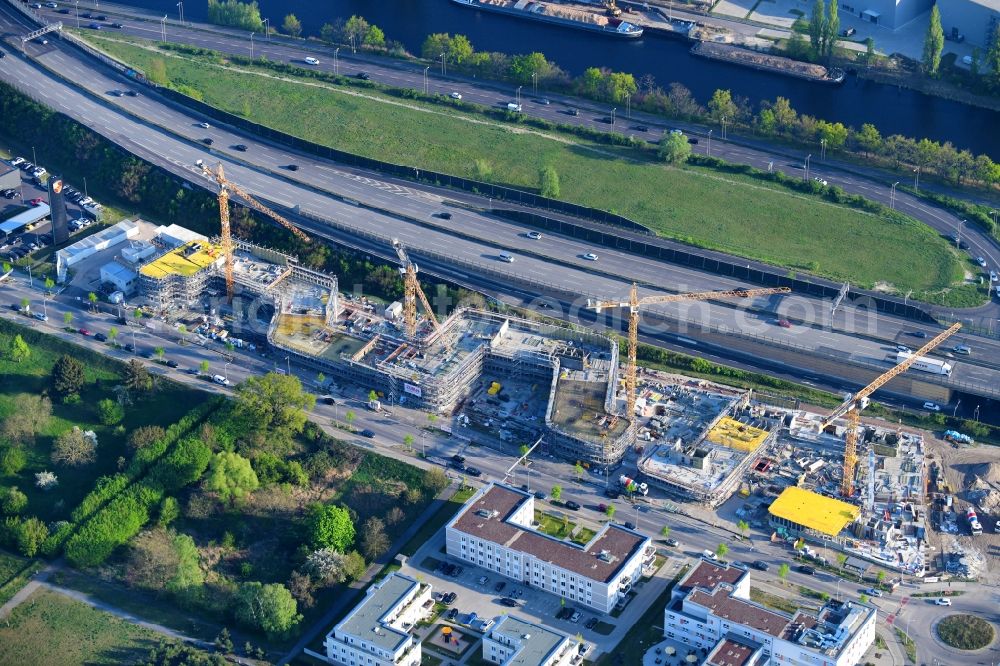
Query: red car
x=784 y=323
x=37 y=202
x=84 y=331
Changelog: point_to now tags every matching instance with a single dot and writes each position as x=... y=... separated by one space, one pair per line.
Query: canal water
x=893 y=110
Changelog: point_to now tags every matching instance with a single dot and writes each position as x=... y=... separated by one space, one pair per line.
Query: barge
x=567 y=15
x=768 y=63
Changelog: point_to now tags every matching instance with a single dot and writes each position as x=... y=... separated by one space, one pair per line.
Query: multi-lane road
x=170 y=136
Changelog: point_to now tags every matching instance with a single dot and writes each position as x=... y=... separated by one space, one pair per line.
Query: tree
x=374 y=37
x=270 y=608
x=224 y=642
x=326 y=565
x=31 y=533
x=592 y=82
x=459 y=49
x=372 y=395
x=841 y=560
x=28 y=416
x=435 y=44
x=817 y=27
x=244 y=15
x=113 y=335
x=556 y=493
x=169 y=511
x=7 y=267
x=863 y=598
x=374 y=540
x=135 y=376
x=13 y=502
x=12 y=460
x=231 y=476
x=67 y=318
x=349 y=417
x=332 y=32
x=144 y=436
x=92 y=299
x=933 y=43
x=110 y=412
x=18 y=350
x=578 y=470
x=50 y=284
x=992 y=60
x=721 y=550
x=610 y=511
x=164 y=561
x=832 y=28
x=674 y=149
x=743 y=527
x=880 y=577
x=273 y=406
x=435 y=480
x=301 y=586
x=46 y=480
x=783 y=570
x=159 y=353
x=203 y=367
x=665 y=531
x=869 y=139
x=291 y=25
x=784 y=115
x=548 y=182
x=408 y=440
x=355 y=566
x=25 y=304
x=330 y=526
x=869 y=52
x=74 y=448
x=67 y=377
x=722 y=106
x=355 y=30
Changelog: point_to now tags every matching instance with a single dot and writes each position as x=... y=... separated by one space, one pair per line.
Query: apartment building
x=494 y=531
x=377 y=631
x=516 y=642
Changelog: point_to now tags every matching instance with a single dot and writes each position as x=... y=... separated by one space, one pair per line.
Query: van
x=508 y=258
x=511 y=106
x=219 y=379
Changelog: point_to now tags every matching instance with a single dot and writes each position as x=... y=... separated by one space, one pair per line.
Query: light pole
x=443 y=70
x=225 y=370
x=426 y=69
x=724 y=121
x=336 y=61
x=77 y=14
x=822 y=149
x=288 y=365
x=518 y=96
x=710 y=142
x=958 y=404
x=613 y=111
x=534 y=84
x=30 y=281
x=916 y=180
x=163 y=28
x=808 y=157
x=975 y=412
x=251 y=45
x=628 y=106
x=135 y=350
x=892 y=196
x=180 y=12
x=267 y=29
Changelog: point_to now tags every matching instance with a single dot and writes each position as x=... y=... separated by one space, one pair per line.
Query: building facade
x=516 y=642
x=494 y=531
x=377 y=631
x=974 y=19
x=890 y=14
x=711 y=606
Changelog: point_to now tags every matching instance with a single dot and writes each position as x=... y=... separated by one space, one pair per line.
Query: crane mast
x=411 y=292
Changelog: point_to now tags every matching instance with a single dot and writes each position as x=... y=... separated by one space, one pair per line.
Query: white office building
x=711 y=609
x=377 y=631
x=494 y=531
x=516 y=642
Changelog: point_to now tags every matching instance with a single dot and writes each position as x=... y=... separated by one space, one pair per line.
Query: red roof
x=707 y=575
x=742 y=612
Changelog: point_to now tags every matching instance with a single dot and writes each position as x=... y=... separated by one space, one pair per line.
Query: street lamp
x=916 y=180
x=892 y=196
x=613 y=118
x=163 y=28
x=724 y=127
x=77 y=14
x=710 y=142
x=808 y=157
x=336 y=60
x=267 y=29
x=534 y=83
x=288 y=365
x=225 y=370
x=518 y=95
x=628 y=106
x=251 y=45
x=180 y=11
x=822 y=149
x=443 y=69
x=957 y=405
x=426 y=69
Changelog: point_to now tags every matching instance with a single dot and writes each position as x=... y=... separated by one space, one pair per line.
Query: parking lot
x=476 y=592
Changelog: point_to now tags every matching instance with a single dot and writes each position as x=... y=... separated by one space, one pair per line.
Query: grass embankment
x=437 y=521
x=727 y=212
x=50 y=629
x=908 y=645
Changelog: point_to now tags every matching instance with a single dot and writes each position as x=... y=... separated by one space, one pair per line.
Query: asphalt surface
x=170 y=136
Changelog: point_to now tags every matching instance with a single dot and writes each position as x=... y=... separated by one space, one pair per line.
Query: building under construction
x=575 y=372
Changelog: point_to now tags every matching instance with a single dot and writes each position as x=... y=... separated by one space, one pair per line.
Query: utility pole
x=628 y=106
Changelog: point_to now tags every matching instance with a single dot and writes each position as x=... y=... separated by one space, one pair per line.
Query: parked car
x=100 y=337
x=761 y=565
x=591 y=623
x=40 y=316
x=368 y=433
x=874 y=592
x=83 y=331
x=482 y=580
x=38 y=201
x=575 y=617
x=508 y=602
x=455 y=95
x=458 y=458
x=807 y=570
x=472 y=471
x=452 y=614
x=171 y=363
x=629 y=525
x=572 y=506
x=539 y=495
x=672 y=542
x=932 y=406
x=499 y=586
x=784 y=323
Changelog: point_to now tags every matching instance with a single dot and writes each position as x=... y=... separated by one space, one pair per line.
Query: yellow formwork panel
x=818 y=512
x=175 y=263
x=735 y=435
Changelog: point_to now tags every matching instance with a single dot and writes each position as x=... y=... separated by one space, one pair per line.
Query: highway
x=870 y=183
x=170 y=136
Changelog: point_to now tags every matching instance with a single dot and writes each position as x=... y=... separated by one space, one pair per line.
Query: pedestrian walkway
x=37 y=580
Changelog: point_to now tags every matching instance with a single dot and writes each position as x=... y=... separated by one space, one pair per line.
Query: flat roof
x=184 y=260
x=116 y=270
x=731 y=433
x=728 y=652
x=112 y=235
x=815 y=511
x=536 y=644
x=723 y=605
x=707 y=575
x=25 y=217
x=365 y=621
x=485 y=516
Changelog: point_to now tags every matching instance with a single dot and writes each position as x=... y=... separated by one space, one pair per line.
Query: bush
x=13 y=502
x=12 y=460
x=110 y=412
x=965 y=632
x=270 y=608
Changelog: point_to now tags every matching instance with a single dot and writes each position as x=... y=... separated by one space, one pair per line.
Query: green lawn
x=726 y=212
x=773 y=601
x=583 y=535
x=553 y=526
x=14 y=574
x=165 y=406
x=50 y=629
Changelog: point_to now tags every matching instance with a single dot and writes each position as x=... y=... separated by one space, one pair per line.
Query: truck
x=931 y=365
x=633 y=486
x=974 y=525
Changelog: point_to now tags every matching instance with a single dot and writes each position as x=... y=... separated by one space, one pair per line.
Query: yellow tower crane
x=852 y=406
x=411 y=291
x=634 y=303
x=225 y=187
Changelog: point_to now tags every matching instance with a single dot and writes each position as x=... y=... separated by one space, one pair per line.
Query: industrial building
x=707 y=440
x=495 y=531
x=975 y=20
x=802 y=513
x=516 y=642
x=17 y=222
x=377 y=632
x=104 y=239
x=710 y=609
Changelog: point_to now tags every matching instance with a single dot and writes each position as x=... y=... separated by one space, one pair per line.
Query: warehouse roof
x=815 y=511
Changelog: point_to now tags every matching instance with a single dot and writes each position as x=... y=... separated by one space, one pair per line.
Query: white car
x=820 y=180
x=993 y=276
x=590 y=256
x=204 y=125
x=981 y=261
x=38 y=172
x=219 y=379
x=16 y=161
x=932 y=406
x=456 y=95
x=309 y=60
x=534 y=235
x=943 y=601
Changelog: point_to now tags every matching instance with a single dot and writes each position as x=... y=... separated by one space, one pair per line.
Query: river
x=893 y=110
